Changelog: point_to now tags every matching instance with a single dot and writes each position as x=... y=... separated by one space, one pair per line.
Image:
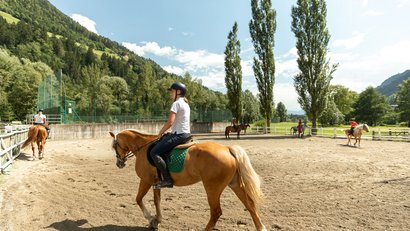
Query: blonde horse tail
x=32 y=134
x=249 y=180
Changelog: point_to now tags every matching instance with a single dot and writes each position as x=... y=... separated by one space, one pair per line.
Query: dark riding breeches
x=167 y=143
x=47 y=128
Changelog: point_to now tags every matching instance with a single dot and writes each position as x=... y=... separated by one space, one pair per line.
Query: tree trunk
x=267 y=125
x=314 y=129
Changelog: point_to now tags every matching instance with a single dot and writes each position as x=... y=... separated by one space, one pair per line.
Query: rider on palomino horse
x=179 y=122
x=353 y=124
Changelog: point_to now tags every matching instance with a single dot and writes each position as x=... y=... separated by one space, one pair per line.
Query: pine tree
x=262 y=28
x=233 y=73
x=312 y=38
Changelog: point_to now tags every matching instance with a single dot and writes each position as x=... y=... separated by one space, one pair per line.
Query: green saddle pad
x=176 y=160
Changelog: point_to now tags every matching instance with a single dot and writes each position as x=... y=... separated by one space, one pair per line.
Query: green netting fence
x=61 y=110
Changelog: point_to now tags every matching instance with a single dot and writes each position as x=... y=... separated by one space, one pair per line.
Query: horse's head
x=365 y=127
x=128 y=142
x=121 y=151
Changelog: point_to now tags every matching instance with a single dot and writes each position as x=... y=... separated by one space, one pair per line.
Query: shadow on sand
x=70 y=225
x=25 y=156
x=349 y=146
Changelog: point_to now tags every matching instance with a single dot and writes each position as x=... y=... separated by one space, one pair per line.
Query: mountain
x=100 y=76
x=389 y=86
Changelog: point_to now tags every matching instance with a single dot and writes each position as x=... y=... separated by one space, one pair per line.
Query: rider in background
x=179 y=122
x=353 y=124
x=41 y=119
x=234 y=122
x=300 y=127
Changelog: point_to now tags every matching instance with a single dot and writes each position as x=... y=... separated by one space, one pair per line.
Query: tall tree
x=262 y=28
x=281 y=112
x=233 y=73
x=343 y=98
x=403 y=101
x=370 y=107
x=251 y=109
x=312 y=38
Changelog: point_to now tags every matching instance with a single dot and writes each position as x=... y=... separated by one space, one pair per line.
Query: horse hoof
x=153 y=224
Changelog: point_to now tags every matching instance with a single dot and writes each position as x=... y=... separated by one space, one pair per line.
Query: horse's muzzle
x=120 y=163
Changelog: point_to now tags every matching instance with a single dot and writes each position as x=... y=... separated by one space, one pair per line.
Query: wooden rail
x=10 y=147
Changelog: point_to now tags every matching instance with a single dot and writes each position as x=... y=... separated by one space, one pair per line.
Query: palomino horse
x=357 y=133
x=216 y=165
x=236 y=129
x=39 y=134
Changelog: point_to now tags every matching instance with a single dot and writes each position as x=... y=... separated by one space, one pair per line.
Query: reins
x=130 y=153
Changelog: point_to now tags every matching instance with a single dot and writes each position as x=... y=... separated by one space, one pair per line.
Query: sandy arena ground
x=309 y=184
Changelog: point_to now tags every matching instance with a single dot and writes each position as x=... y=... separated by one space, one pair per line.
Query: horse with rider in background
x=355 y=132
x=237 y=129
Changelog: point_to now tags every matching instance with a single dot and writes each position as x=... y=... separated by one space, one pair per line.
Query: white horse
x=357 y=133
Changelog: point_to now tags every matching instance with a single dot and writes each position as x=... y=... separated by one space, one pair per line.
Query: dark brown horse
x=237 y=129
x=217 y=166
x=37 y=133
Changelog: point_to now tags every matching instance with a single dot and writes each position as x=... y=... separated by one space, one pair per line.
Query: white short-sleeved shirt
x=39 y=118
x=182 y=117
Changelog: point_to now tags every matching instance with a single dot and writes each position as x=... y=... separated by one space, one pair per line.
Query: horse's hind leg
x=33 y=148
x=249 y=204
x=214 y=195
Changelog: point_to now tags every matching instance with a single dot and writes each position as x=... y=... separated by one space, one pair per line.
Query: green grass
x=284 y=127
x=9 y=18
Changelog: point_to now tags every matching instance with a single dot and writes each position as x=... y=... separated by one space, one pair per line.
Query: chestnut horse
x=357 y=133
x=39 y=134
x=216 y=165
x=236 y=129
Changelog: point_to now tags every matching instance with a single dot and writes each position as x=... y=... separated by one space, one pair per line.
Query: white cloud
x=170 y=29
x=286 y=93
x=365 y=2
x=174 y=69
x=188 y=34
x=150 y=47
x=350 y=43
x=403 y=3
x=373 y=13
x=85 y=22
x=214 y=80
x=371 y=70
x=200 y=59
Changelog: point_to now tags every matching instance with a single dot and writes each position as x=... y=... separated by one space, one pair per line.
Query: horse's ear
x=112 y=134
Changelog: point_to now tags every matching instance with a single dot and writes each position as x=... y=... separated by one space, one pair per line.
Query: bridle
x=130 y=153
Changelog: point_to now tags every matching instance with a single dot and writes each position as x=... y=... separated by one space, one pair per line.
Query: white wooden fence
x=374 y=134
x=10 y=147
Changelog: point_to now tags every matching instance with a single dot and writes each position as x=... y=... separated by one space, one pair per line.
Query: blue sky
x=370 y=39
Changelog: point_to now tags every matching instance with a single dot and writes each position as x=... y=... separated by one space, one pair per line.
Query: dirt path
x=309 y=184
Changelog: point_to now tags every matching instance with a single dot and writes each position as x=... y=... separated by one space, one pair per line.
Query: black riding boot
x=167 y=180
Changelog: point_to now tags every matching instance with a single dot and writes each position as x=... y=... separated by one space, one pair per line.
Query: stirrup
x=164 y=184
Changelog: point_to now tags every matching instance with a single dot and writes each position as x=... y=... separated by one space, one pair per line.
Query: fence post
x=334 y=132
x=380 y=136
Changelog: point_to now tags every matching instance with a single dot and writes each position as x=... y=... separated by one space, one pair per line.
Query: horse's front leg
x=157 y=201
x=142 y=191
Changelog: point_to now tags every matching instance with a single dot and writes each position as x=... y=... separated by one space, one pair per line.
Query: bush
x=404 y=124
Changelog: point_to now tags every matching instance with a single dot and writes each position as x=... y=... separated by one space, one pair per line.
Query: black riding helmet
x=179 y=86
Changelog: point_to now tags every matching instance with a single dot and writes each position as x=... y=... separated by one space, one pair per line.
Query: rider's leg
x=162 y=147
